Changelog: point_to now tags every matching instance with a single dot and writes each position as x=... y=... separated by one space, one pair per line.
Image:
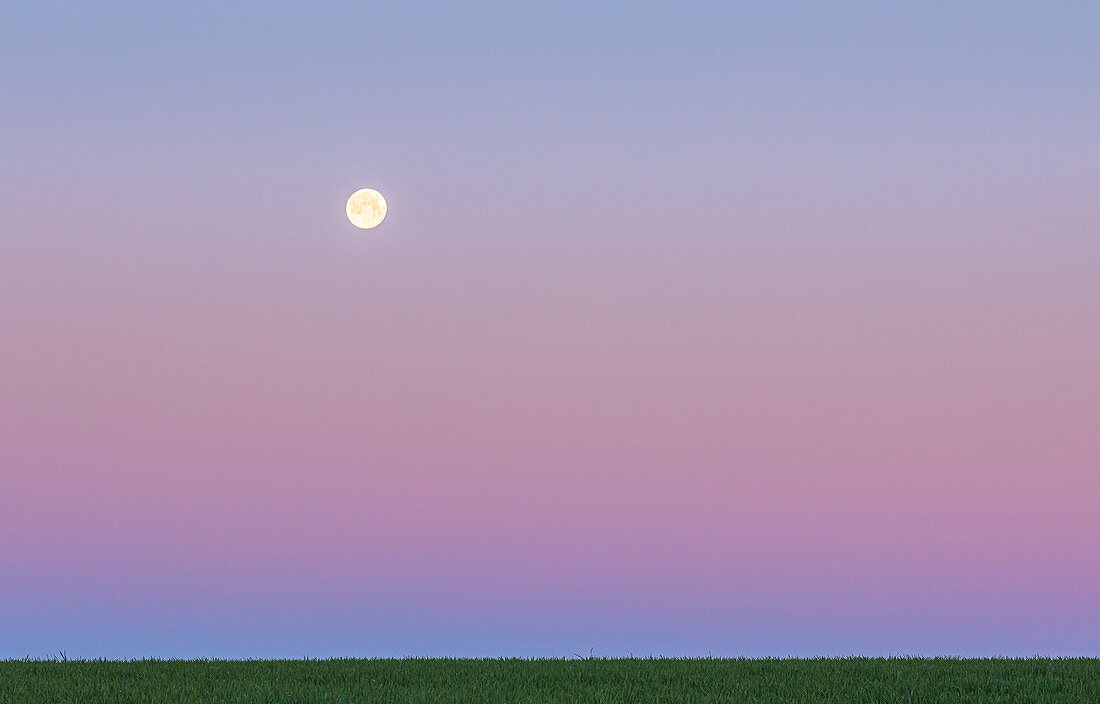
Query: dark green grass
x=514 y=681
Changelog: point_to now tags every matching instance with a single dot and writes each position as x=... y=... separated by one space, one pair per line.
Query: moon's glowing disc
x=366 y=208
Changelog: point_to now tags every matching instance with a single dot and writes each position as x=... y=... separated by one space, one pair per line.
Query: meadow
x=855 y=680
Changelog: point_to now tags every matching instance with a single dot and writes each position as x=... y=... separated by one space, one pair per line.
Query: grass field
x=515 y=681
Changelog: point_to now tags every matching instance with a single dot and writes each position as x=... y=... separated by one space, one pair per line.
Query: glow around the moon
x=366 y=208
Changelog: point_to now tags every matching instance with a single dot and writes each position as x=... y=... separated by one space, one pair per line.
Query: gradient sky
x=728 y=328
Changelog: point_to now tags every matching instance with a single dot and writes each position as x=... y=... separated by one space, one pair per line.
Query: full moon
x=366 y=208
